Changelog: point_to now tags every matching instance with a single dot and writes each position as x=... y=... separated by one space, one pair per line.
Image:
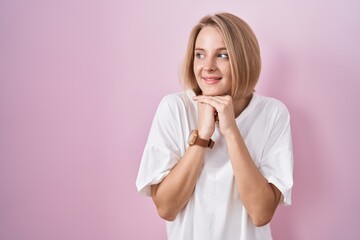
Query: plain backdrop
x=80 y=81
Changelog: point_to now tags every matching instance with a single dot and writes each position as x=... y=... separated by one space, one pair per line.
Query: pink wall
x=79 y=84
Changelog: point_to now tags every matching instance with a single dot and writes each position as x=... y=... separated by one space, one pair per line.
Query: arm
x=258 y=196
x=173 y=193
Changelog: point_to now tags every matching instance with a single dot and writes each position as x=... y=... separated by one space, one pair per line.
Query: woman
x=227 y=178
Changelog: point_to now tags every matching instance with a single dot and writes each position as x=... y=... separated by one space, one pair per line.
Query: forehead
x=209 y=37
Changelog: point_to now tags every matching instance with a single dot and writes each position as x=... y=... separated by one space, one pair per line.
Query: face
x=211 y=63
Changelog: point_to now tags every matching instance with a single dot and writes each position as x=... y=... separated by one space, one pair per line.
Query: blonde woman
x=218 y=160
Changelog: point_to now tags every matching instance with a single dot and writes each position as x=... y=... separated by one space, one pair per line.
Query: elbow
x=261 y=220
x=166 y=214
x=262 y=216
x=166 y=208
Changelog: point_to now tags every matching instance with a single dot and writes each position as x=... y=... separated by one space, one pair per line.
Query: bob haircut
x=242 y=47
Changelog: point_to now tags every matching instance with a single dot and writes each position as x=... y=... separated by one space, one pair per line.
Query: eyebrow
x=218 y=49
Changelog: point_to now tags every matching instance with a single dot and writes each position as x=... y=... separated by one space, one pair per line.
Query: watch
x=194 y=139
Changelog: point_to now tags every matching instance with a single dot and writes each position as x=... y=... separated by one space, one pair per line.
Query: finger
x=210 y=101
x=200 y=97
x=226 y=100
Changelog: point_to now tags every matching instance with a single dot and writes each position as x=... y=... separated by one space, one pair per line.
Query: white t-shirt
x=215 y=211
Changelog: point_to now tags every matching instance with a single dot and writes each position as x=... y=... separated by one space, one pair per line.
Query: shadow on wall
x=308 y=177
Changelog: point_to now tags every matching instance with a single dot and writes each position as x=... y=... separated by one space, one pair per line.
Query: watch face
x=192 y=137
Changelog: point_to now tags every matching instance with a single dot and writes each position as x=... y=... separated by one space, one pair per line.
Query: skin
x=212 y=71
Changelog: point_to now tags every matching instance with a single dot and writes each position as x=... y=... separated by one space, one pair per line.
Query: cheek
x=226 y=70
x=197 y=68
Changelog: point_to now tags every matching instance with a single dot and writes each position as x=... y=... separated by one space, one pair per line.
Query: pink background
x=79 y=84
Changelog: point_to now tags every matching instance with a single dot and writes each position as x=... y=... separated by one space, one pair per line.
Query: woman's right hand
x=206 y=120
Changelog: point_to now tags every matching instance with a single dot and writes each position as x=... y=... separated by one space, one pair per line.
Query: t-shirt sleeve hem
x=285 y=191
x=144 y=188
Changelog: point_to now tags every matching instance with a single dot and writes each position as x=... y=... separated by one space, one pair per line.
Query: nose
x=209 y=65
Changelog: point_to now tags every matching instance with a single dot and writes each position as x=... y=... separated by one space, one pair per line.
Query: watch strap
x=204 y=143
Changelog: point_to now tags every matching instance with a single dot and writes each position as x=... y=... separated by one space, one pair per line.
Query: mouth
x=211 y=80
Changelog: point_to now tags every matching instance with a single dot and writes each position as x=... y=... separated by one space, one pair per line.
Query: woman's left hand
x=225 y=110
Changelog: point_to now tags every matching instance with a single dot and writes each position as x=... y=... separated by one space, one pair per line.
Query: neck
x=240 y=104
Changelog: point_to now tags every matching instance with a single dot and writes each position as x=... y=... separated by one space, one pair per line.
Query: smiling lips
x=211 y=80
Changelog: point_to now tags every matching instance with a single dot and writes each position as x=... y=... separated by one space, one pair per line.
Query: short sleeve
x=276 y=163
x=161 y=152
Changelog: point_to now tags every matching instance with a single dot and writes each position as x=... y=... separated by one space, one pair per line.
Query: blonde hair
x=243 y=49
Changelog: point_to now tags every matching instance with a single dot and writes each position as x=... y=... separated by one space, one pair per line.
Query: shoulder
x=177 y=100
x=271 y=105
x=270 y=110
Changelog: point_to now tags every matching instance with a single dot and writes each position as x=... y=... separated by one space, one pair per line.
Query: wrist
x=196 y=139
x=204 y=135
x=232 y=135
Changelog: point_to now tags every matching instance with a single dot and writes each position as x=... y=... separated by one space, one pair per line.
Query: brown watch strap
x=204 y=143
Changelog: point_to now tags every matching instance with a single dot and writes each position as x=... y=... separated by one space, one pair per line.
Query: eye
x=223 y=55
x=199 y=55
